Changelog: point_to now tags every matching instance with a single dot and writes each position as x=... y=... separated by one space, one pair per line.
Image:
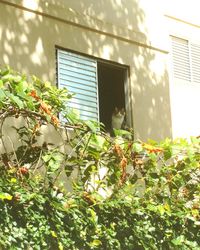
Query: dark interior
x=111 y=91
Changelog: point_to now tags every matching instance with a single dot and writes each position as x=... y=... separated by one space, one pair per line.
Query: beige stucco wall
x=187 y=10
x=183 y=21
x=128 y=32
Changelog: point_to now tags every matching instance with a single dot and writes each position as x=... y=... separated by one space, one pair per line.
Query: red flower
x=46 y=108
x=34 y=95
x=23 y=170
x=55 y=120
x=118 y=150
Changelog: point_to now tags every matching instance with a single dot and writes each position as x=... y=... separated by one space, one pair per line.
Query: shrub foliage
x=126 y=195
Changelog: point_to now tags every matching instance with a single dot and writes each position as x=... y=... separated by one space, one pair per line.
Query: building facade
x=140 y=55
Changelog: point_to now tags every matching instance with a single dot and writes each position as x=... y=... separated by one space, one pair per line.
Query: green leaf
x=98 y=141
x=137 y=147
x=179 y=240
x=17 y=101
x=21 y=86
x=47 y=157
x=95 y=243
x=13 y=180
x=54 y=234
x=1 y=84
x=121 y=132
x=2 y=95
x=5 y=196
x=60 y=246
x=93 y=215
x=161 y=209
x=92 y=125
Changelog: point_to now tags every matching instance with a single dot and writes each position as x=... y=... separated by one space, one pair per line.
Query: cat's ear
x=122 y=111
x=116 y=110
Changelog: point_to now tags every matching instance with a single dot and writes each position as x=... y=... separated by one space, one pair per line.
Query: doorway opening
x=111 y=88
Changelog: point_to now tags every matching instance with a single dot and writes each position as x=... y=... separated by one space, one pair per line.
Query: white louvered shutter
x=195 y=61
x=79 y=75
x=181 y=59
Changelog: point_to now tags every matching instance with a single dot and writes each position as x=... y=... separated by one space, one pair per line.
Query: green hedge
x=36 y=212
x=51 y=220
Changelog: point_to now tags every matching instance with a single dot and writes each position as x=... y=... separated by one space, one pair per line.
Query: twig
x=12 y=145
x=37 y=164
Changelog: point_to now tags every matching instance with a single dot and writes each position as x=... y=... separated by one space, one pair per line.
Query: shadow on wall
x=24 y=41
x=28 y=45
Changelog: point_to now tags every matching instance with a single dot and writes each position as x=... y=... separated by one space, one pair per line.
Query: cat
x=118 y=118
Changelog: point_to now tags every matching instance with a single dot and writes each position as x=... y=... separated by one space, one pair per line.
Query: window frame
x=191 y=44
x=127 y=88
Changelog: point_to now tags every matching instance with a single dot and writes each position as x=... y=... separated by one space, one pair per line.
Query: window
x=186 y=60
x=99 y=86
x=79 y=75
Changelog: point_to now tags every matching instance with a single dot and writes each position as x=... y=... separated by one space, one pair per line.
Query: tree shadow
x=115 y=30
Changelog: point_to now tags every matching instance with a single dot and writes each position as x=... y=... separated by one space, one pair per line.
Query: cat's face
x=119 y=112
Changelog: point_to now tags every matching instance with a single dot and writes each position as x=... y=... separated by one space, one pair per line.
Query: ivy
x=126 y=194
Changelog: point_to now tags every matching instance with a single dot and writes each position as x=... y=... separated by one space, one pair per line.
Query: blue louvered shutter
x=79 y=75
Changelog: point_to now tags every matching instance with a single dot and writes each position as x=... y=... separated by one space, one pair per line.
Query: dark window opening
x=111 y=81
x=99 y=86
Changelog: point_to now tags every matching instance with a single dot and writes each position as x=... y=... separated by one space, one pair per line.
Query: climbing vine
x=123 y=194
